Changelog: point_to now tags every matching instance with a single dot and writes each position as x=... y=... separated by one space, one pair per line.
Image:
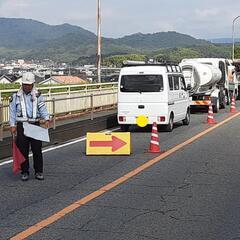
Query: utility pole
x=99 y=41
x=69 y=69
x=233 y=48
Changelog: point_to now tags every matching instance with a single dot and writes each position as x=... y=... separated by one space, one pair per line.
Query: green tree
x=237 y=52
x=117 y=60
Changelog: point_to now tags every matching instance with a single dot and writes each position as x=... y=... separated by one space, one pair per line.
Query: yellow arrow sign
x=108 y=144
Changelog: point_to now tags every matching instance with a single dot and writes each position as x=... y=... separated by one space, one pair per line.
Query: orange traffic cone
x=154 y=143
x=210 y=119
x=233 y=105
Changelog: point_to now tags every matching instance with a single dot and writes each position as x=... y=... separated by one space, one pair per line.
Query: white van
x=156 y=91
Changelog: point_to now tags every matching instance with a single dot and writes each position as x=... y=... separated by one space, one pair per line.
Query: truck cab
x=156 y=91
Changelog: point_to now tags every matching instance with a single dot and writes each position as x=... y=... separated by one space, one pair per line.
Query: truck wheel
x=186 y=121
x=238 y=93
x=223 y=105
x=216 y=107
x=169 y=127
x=230 y=98
x=227 y=98
x=124 y=128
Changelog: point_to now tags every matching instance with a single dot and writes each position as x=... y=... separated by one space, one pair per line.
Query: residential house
x=5 y=79
x=63 y=80
x=18 y=80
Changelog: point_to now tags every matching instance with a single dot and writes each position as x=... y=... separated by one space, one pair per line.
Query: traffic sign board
x=108 y=144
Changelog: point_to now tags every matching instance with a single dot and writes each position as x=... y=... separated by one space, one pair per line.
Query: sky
x=205 y=19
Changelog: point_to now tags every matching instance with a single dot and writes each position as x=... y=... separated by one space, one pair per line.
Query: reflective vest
x=24 y=117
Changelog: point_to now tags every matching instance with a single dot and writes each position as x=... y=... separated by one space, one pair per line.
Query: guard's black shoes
x=39 y=176
x=25 y=177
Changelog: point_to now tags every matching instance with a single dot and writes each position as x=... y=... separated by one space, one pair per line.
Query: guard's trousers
x=23 y=143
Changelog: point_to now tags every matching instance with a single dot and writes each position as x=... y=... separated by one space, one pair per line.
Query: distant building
x=5 y=79
x=18 y=80
x=63 y=80
x=10 y=79
x=20 y=61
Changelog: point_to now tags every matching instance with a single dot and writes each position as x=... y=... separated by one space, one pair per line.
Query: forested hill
x=160 y=40
x=24 y=33
x=26 y=38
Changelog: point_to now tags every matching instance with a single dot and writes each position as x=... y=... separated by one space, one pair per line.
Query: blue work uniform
x=15 y=109
x=16 y=119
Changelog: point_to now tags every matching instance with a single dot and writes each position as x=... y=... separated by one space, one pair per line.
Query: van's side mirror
x=189 y=87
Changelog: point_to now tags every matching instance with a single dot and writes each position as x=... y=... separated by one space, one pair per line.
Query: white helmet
x=28 y=78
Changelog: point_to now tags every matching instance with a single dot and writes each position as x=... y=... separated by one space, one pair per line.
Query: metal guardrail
x=71 y=104
x=92 y=108
x=66 y=88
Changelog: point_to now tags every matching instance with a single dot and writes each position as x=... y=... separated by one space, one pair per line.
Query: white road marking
x=6 y=162
x=61 y=146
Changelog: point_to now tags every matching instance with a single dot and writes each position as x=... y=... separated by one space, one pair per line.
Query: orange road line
x=53 y=218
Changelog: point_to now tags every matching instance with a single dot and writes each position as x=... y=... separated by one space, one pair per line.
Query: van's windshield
x=141 y=83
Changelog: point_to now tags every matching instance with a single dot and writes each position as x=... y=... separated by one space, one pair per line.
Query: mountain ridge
x=28 y=38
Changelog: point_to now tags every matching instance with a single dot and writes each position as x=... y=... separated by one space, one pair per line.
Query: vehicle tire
x=230 y=98
x=169 y=126
x=227 y=101
x=124 y=128
x=238 y=93
x=223 y=105
x=216 y=107
x=186 y=121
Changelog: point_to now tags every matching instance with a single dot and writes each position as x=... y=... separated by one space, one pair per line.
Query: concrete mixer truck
x=208 y=79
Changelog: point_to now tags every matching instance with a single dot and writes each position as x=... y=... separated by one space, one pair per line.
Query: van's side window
x=176 y=83
x=170 y=82
x=182 y=84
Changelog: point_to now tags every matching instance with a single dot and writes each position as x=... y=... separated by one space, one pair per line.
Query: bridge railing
x=49 y=90
x=80 y=100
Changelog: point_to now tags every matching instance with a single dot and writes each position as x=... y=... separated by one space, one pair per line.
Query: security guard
x=27 y=105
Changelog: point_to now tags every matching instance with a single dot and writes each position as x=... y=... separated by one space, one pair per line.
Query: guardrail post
x=91 y=106
x=1 y=122
x=69 y=100
x=54 y=112
x=69 y=91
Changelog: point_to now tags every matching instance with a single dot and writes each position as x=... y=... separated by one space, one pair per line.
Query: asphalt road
x=193 y=194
